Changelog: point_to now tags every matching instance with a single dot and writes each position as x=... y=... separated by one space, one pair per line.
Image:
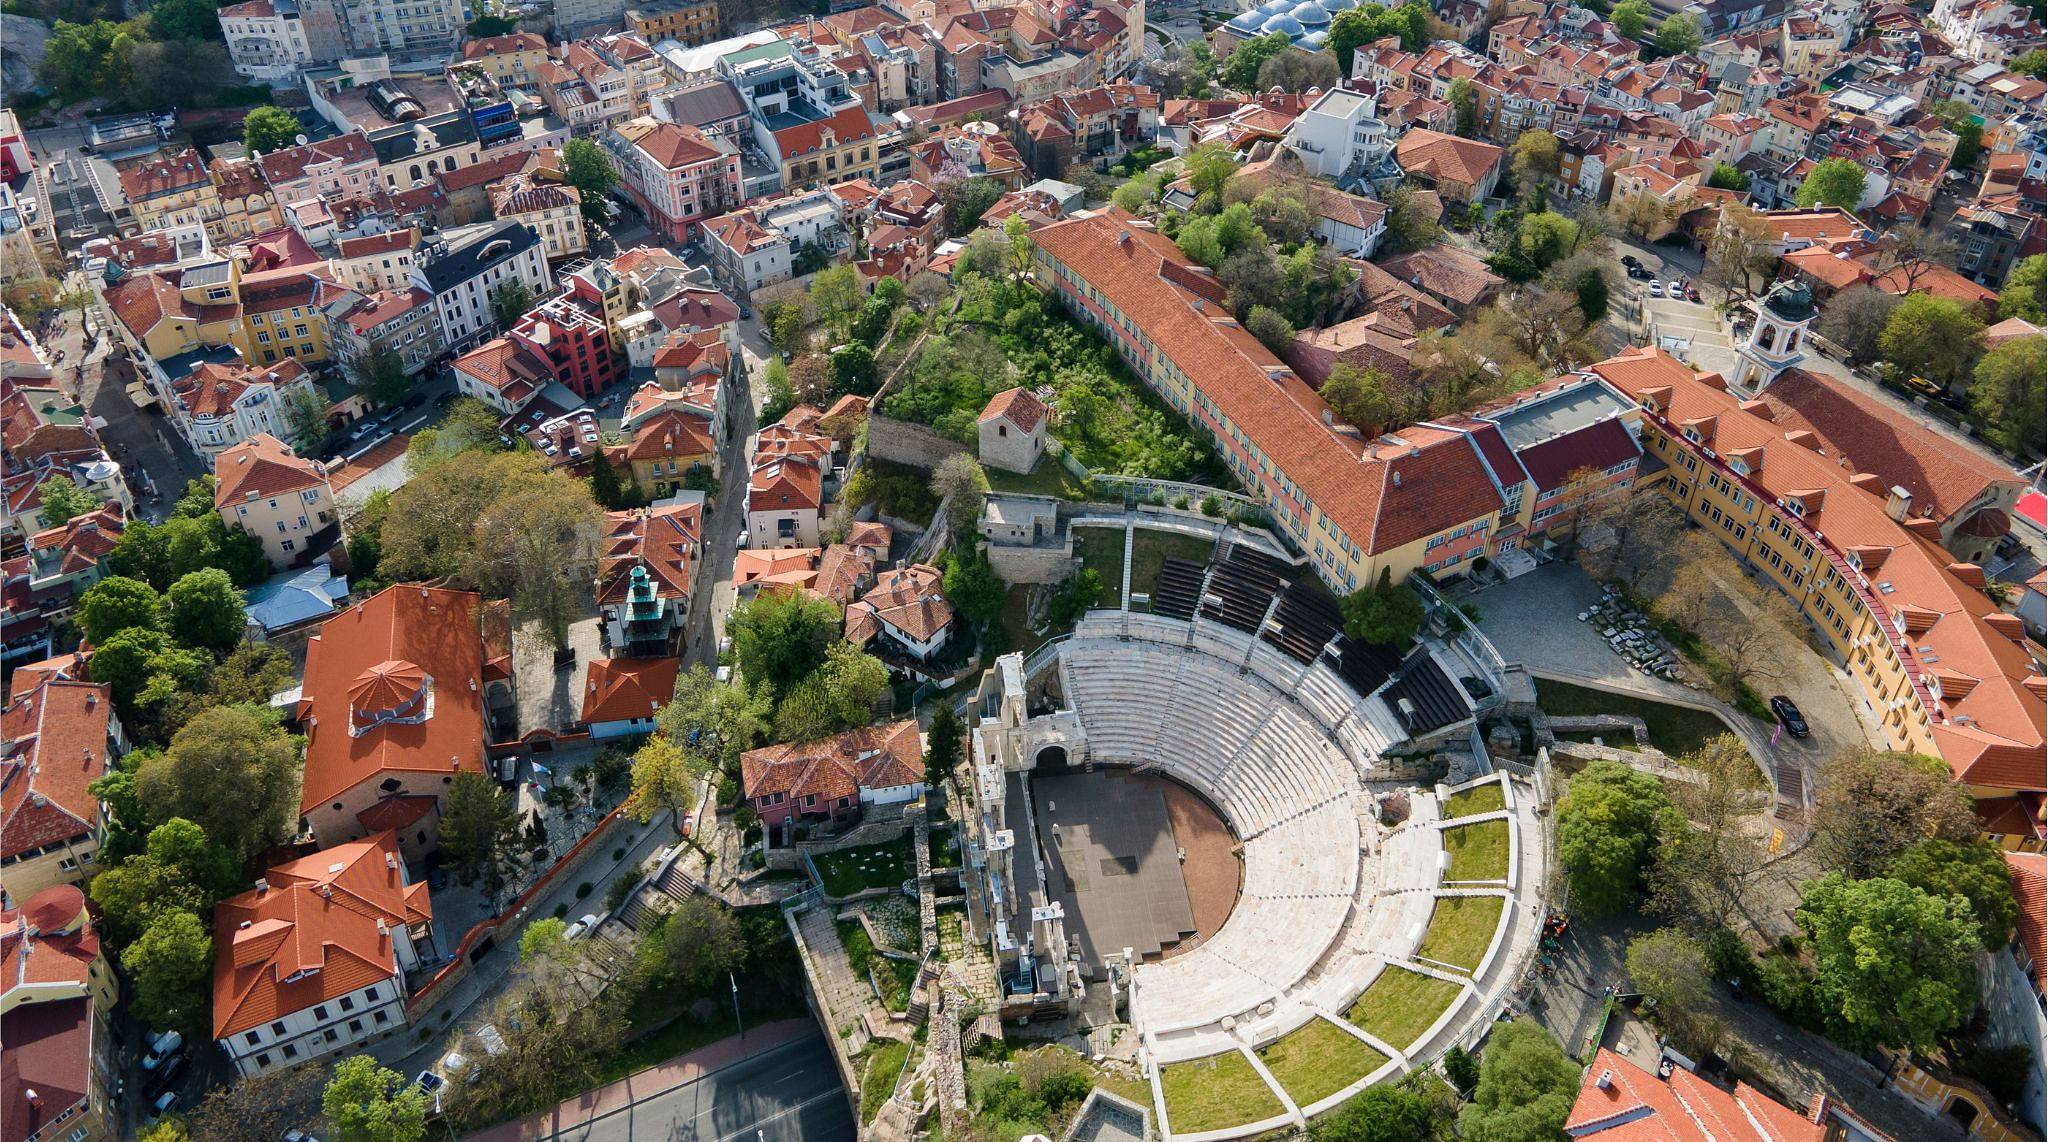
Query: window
x=263 y=1060
x=380 y=1018
x=253 y=1037
x=290 y=1052
x=347 y=1004
x=355 y=1026
x=288 y=545
x=320 y=1012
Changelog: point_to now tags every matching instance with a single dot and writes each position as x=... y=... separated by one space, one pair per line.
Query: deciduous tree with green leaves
x=1526 y=1087
x=1727 y=176
x=780 y=637
x=2010 y=395
x=207 y=611
x=269 y=128
x=228 y=747
x=1833 y=182
x=64 y=501
x=1973 y=870
x=586 y=167
x=1609 y=825
x=663 y=779
x=2025 y=295
x=118 y=603
x=372 y=1103
x=1386 y=613
x=1899 y=965
x=172 y=966
x=1933 y=337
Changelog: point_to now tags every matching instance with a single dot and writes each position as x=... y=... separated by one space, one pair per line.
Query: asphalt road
x=789 y=1093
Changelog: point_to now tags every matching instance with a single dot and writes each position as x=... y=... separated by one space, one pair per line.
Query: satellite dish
x=300 y=140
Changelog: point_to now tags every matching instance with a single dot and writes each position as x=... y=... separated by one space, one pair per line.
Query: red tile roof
x=1943 y=476
x=56 y=746
x=1992 y=734
x=321 y=930
x=628 y=689
x=48 y=1048
x=871 y=757
x=1621 y=1102
x=2030 y=887
x=1382 y=494
x=431 y=630
x=48 y=941
x=1447 y=158
x=909 y=601
x=1022 y=408
x=667 y=541
x=179 y=171
x=261 y=466
x=846 y=126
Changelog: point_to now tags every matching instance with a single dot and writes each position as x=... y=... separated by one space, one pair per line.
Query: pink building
x=676 y=173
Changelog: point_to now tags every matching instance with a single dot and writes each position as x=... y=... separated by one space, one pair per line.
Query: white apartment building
x=462 y=273
x=264 y=488
x=266 y=40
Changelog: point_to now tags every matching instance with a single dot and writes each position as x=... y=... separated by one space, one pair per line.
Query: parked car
x=169 y=1072
x=1641 y=274
x=1630 y=260
x=1675 y=289
x=160 y=1048
x=1922 y=384
x=428 y=1081
x=1656 y=289
x=1789 y=714
x=741 y=542
x=1692 y=294
x=414 y=401
x=581 y=928
x=164 y=1104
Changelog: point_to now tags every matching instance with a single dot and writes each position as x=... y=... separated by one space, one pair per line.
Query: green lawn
x=879 y=1068
x=1149 y=549
x=870 y=866
x=1212 y=1093
x=1102 y=548
x=1478 y=852
x=1487 y=798
x=1016 y=614
x=1673 y=729
x=1460 y=930
x=1318 y=1060
x=1050 y=478
x=1612 y=739
x=1401 y=1004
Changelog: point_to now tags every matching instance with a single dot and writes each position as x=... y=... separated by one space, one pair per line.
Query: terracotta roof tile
x=871 y=757
x=628 y=689
x=56 y=745
x=1022 y=408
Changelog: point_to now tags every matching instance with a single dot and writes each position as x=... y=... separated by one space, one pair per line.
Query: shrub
x=1212 y=506
x=728 y=789
x=621 y=890
x=561 y=910
x=584 y=889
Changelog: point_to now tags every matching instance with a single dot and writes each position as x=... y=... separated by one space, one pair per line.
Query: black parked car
x=1789 y=715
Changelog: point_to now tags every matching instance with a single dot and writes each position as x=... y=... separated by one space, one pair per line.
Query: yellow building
x=687 y=23
x=243 y=202
x=835 y=149
x=1948 y=674
x=514 y=60
x=170 y=191
x=282 y=317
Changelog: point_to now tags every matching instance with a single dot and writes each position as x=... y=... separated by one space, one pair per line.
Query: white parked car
x=160 y=1048
x=1656 y=289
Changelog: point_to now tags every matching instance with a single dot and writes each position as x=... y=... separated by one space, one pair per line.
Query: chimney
x=262 y=886
x=1605 y=1081
x=1898 y=503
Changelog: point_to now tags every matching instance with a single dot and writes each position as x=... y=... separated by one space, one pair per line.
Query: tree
x=1409 y=224
x=269 y=128
x=1871 y=806
x=1359 y=396
x=972 y=587
x=371 y=1103
x=1545 y=237
x=479 y=830
x=1526 y=1087
x=1909 y=254
x=607 y=487
x=1704 y=867
x=2010 y=395
x=586 y=167
x=259 y=1108
x=1670 y=969
x=1241 y=69
x=64 y=501
x=700 y=941
x=836 y=296
x=184 y=20
x=1973 y=870
x=145 y=668
x=179 y=868
x=1628 y=538
x=811 y=376
x=379 y=375
x=509 y=302
x=1856 y=318
x=1679 y=34
x=1629 y=17
x=780 y=637
x=1742 y=250
x=1384 y=1113
x=172 y=965
x=1387 y=613
x=115 y=604
x=537 y=541
x=663 y=776
x=717 y=720
x=1465 y=101
x=207 y=611
x=1897 y=964
x=1534 y=159
x=1832 y=182
x=178 y=72
x=853 y=368
x=1591 y=291
x=2025 y=295
x=1639 y=212
x=1932 y=337
x=1274 y=331
x=942 y=742
x=1299 y=71
x=1961 y=120
x=1727 y=176
x=928 y=289
x=1356 y=27
x=965 y=200
x=1609 y=825
x=961 y=484
x=228 y=747
x=840 y=694
x=2034 y=63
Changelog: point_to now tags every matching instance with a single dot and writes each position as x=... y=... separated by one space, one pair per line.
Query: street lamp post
x=736 y=1004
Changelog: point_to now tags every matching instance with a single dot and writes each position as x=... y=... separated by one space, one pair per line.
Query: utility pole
x=736 y=1004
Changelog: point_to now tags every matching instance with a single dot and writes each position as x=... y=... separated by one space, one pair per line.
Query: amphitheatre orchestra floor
x=1113 y=842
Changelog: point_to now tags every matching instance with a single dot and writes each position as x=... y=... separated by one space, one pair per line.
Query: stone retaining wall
x=914 y=445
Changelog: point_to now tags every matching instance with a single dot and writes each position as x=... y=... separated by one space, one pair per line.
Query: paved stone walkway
x=847 y=997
